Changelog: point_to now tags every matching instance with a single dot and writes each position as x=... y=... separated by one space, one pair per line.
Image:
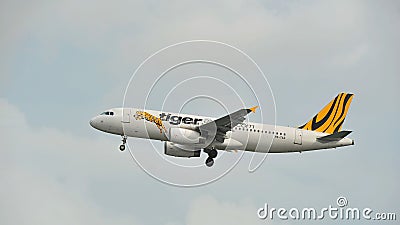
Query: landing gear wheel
x=209 y=162
x=212 y=153
x=122 y=146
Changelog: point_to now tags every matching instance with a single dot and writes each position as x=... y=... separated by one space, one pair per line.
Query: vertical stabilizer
x=330 y=119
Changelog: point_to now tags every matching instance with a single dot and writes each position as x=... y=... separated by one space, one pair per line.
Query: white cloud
x=33 y=198
x=45 y=174
x=207 y=210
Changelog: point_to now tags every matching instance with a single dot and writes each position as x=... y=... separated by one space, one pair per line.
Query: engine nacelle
x=184 y=136
x=173 y=149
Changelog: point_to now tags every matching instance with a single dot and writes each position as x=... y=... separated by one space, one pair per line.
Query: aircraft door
x=126 y=115
x=298 y=137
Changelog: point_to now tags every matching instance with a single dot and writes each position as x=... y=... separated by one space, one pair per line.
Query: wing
x=219 y=127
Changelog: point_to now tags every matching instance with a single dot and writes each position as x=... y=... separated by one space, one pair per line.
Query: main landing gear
x=122 y=146
x=212 y=153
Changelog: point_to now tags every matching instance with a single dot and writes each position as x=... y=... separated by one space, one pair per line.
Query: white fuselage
x=246 y=136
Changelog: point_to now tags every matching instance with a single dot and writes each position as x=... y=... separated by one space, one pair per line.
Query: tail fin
x=330 y=119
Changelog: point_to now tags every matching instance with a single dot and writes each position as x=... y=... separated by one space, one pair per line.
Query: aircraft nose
x=94 y=122
x=91 y=122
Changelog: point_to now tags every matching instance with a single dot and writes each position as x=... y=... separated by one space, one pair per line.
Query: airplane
x=187 y=135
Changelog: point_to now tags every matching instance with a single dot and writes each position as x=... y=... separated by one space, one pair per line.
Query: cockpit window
x=108 y=113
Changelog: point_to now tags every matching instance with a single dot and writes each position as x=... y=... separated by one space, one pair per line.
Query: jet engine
x=176 y=150
x=185 y=136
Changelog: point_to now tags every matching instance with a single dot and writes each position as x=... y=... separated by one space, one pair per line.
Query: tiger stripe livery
x=153 y=119
x=330 y=119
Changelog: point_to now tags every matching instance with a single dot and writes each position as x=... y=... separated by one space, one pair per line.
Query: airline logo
x=153 y=119
x=176 y=120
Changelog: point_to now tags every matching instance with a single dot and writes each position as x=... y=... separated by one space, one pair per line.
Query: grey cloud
x=62 y=62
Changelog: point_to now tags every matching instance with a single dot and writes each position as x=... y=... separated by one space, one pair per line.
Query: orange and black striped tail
x=330 y=119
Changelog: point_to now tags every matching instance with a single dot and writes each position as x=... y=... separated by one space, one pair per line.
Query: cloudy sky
x=62 y=62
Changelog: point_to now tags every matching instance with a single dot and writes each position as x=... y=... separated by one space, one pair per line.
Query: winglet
x=253 y=109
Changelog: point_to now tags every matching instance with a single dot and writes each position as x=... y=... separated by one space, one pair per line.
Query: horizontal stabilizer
x=335 y=136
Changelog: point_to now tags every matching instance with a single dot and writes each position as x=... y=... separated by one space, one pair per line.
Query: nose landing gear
x=212 y=153
x=122 y=146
